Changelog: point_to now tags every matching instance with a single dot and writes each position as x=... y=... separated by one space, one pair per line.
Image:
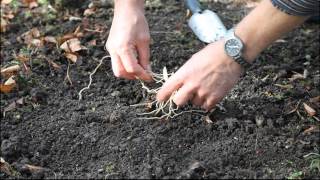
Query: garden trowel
x=206 y=24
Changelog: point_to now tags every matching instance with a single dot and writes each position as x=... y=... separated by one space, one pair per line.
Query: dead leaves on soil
x=10 y=83
x=311 y=112
x=71 y=44
x=6 y=168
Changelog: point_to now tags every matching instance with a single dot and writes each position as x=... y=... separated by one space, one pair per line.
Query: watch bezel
x=239 y=49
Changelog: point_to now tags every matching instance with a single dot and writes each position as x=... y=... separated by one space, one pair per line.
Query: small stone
x=308 y=57
x=259 y=120
x=115 y=93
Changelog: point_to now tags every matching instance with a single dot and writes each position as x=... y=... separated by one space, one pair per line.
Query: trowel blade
x=207 y=26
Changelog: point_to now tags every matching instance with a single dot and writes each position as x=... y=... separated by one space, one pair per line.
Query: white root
x=90 y=77
x=166 y=108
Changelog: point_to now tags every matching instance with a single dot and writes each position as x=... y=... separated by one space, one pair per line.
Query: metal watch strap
x=243 y=63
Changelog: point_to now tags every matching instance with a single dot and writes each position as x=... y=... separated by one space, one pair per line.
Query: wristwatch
x=233 y=47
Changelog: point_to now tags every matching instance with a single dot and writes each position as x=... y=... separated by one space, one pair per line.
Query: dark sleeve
x=298 y=7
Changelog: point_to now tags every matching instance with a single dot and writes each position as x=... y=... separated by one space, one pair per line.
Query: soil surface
x=260 y=130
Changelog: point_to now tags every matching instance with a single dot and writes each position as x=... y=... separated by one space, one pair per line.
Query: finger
x=171 y=85
x=130 y=63
x=183 y=95
x=210 y=103
x=197 y=100
x=144 y=56
x=118 y=68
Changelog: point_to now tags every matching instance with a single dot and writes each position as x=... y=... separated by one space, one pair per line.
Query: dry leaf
x=6 y=2
x=6 y=88
x=10 y=107
x=50 y=39
x=89 y=12
x=54 y=65
x=22 y=58
x=33 y=168
x=5 y=167
x=310 y=130
x=31 y=3
x=72 y=45
x=10 y=70
x=75 y=34
x=31 y=37
x=10 y=81
x=72 y=57
x=315 y=100
x=3 y=25
x=309 y=110
x=296 y=76
x=20 y=101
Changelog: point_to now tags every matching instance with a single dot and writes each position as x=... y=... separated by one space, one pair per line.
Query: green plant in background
x=314 y=159
x=295 y=175
x=43 y=2
x=109 y=168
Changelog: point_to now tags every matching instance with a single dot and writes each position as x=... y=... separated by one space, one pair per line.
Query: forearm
x=264 y=25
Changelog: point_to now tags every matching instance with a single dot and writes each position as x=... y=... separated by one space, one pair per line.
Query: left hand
x=205 y=79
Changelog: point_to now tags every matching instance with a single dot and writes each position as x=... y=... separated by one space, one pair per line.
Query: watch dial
x=233 y=47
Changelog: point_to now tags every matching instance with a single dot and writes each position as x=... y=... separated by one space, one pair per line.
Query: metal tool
x=206 y=24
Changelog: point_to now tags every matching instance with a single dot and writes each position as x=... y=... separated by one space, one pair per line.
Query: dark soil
x=252 y=134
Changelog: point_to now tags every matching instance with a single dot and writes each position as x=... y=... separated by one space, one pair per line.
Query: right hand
x=128 y=43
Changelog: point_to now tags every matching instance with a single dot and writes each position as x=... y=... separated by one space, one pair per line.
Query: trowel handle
x=194 y=6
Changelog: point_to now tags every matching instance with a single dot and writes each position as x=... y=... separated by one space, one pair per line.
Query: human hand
x=128 y=42
x=205 y=79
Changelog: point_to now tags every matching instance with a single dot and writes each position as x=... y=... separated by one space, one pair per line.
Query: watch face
x=233 y=47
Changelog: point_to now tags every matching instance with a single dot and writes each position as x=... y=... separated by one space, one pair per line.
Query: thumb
x=144 y=56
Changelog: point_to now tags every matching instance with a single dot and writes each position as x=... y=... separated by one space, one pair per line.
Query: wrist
x=136 y=5
x=252 y=48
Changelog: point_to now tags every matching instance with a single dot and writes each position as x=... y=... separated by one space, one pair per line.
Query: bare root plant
x=168 y=109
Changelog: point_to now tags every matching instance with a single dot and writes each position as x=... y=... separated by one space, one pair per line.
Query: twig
x=90 y=77
x=67 y=76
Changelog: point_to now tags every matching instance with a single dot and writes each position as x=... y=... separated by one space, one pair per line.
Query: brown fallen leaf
x=6 y=168
x=72 y=57
x=4 y=2
x=31 y=3
x=10 y=70
x=33 y=168
x=20 y=101
x=54 y=65
x=309 y=110
x=315 y=100
x=311 y=129
x=10 y=107
x=75 y=34
x=3 y=25
x=50 y=39
x=10 y=81
x=89 y=12
x=22 y=58
x=6 y=88
x=296 y=76
x=31 y=38
x=72 y=45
